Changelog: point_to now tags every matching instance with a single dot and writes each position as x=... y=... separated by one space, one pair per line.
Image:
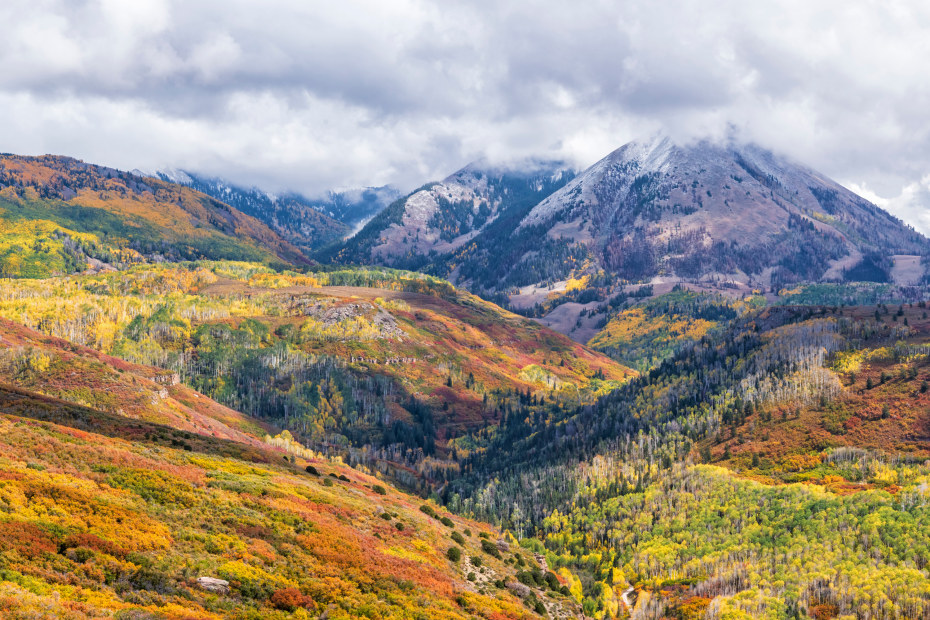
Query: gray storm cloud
x=311 y=95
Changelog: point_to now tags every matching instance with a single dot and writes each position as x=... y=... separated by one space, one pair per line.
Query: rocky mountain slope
x=727 y=212
x=437 y=224
x=717 y=217
x=308 y=223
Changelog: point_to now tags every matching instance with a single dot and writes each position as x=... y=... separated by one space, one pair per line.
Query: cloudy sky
x=310 y=95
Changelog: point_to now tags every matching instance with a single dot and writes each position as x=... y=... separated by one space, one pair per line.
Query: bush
x=447 y=522
x=490 y=548
x=467 y=532
x=310 y=469
x=475 y=561
x=399 y=526
x=380 y=490
x=252 y=582
x=454 y=554
x=458 y=538
x=386 y=516
x=287 y=599
x=427 y=510
x=553 y=581
x=538 y=577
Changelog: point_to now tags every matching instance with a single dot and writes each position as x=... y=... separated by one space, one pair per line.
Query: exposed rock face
x=212 y=584
x=332 y=315
x=441 y=219
x=541 y=560
x=519 y=589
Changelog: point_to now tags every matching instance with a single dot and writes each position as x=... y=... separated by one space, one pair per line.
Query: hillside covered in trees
x=389 y=367
x=772 y=462
x=149 y=497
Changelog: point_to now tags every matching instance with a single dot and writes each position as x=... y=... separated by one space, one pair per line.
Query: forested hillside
x=812 y=424
x=59 y=215
x=146 y=490
x=392 y=369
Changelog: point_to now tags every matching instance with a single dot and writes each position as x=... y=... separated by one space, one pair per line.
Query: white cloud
x=292 y=94
x=912 y=204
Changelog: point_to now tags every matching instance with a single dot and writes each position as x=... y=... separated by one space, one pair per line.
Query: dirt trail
x=626 y=599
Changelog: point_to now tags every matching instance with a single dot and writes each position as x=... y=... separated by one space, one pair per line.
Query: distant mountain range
x=724 y=216
x=308 y=223
x=534 y=235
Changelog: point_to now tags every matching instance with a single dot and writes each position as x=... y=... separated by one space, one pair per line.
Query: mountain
x=308 y=223
x=728 y=212
x=436 y=225
x=228 y=438
x=726 y=217
x=59 y=215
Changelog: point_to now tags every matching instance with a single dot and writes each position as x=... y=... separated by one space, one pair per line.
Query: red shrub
x=90 y=541
x=288 y=599
x=29 y=540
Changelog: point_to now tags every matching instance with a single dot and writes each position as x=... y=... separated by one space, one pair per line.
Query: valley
x=521 y=392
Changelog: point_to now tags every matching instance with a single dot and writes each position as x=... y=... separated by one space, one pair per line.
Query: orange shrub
x=28 y=540
x=90 y=541
x=289 y=599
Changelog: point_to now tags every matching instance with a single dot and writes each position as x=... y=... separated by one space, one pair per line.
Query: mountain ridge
x=307 y=222
x=718 y=216
x=59 y=215
x=434 y=222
